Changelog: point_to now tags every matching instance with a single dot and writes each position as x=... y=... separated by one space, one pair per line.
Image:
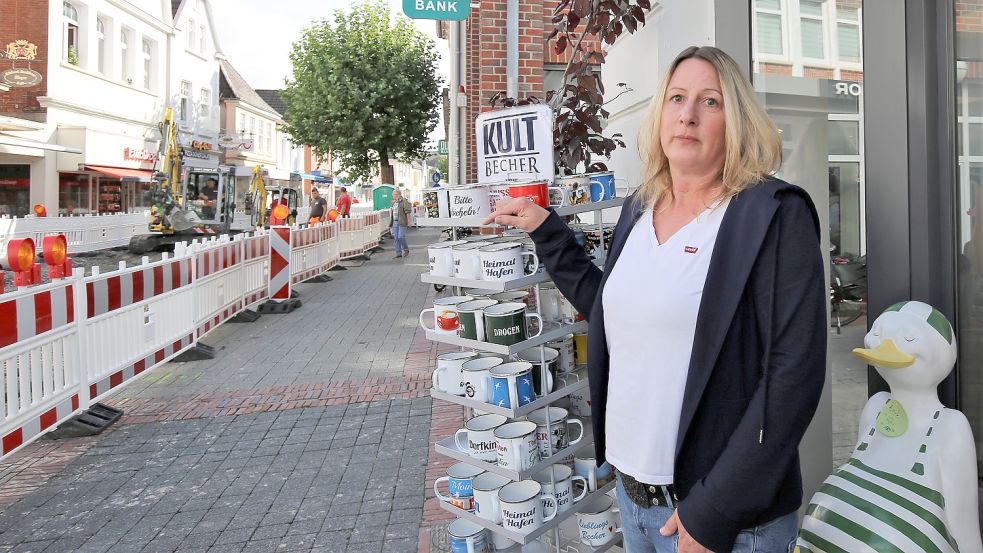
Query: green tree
x=442 y=166
x=364 y=87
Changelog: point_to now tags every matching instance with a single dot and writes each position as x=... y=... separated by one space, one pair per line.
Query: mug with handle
x=555 y=436
x=459 y=481
x=597 y=522
x=478 y=437
x=449 y=376
x=558 y=480
x=445 y=316
x=525 y=505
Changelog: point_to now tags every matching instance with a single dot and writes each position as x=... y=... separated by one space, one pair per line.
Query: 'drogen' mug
x=477 y=377
x=445 y=317
x=597 y=521
x=505 y=323
x=440 y=256
x=558 y=480
x=459 y=478
x=556 y=436
x=512 y=385
x=525 y=506
x=472 y=318
x=517 y=447
x=479 y=437
x=467 y=537
x=503 y=261
x=449 y=377
x=585 y=465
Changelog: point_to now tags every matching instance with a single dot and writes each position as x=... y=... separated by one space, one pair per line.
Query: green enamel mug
x=505 y=323
x=471 y=315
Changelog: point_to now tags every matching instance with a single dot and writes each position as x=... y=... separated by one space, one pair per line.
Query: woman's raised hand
x=521 y=213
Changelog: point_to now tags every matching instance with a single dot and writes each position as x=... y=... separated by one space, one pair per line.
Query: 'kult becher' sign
x=515 y=143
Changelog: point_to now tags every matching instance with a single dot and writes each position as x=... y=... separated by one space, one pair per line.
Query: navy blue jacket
x=737 y=463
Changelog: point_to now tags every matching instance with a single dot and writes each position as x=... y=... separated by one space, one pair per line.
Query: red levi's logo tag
x=690 y=249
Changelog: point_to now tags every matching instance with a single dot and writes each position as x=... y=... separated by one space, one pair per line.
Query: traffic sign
x=450 y=10
x=436 y=177
x=442 y=147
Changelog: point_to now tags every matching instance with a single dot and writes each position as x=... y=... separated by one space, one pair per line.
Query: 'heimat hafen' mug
x=503 y=261
x=558 y=480
x=524 y=506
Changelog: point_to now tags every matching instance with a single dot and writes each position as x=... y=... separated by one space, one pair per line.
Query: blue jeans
x=399 y=235
x=641 y=530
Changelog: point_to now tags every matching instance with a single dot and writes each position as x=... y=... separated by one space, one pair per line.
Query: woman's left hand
x=686 y=543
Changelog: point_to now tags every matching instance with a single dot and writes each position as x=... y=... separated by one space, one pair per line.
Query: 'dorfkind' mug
x=445 y=317
x=479 y=437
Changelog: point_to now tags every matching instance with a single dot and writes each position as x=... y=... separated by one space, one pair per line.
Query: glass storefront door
x=15 y=190
x=808 y=70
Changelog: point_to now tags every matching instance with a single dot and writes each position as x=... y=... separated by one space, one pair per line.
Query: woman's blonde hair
x=753 y=146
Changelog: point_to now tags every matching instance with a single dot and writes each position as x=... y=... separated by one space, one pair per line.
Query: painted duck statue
x=911 y=483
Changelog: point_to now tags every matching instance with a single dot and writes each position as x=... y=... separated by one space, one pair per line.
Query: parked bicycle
x=847 y=289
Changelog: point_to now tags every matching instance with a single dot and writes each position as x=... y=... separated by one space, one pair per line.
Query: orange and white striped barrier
x=279 y=264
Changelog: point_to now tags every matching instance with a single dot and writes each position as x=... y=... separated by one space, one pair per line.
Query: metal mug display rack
x=550 y=532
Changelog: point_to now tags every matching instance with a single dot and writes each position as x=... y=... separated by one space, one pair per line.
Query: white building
x=193 y=89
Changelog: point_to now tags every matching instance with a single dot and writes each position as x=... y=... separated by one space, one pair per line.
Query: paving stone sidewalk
x=308 y=432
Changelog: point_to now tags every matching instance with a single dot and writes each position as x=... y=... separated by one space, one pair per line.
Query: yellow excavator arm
x=257 y=191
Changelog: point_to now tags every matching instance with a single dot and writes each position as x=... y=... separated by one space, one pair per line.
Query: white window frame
x=101 y=65
x=782 y=13
x=126 y=57
x=835 y=43
x=147 y=55
x=242 y=124
x=204 y=103
x=202 y=39
x=823 y=18
x=184 y=102
x=71 y=28
x=192 y=35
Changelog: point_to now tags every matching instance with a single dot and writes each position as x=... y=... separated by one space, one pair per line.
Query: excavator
x=186 y=203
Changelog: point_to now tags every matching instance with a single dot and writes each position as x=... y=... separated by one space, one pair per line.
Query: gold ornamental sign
x=20 y=77
x=22 y=50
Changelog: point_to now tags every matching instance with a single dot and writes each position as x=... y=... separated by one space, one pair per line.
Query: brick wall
x=24 y=20
x=486 y=57
x=969 y=15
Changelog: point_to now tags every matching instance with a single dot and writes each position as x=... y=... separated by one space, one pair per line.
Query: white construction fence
x=69 y=343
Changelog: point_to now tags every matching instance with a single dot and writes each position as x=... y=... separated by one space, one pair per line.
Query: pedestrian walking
x=400 y=219
x=703 y=375
x=318 y=206
x=344 y=203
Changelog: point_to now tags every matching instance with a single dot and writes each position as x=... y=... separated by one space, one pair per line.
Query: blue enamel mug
x=467 y=537
x=596 y=191
x=605 y=185
x=512 y=384
x=459 y=481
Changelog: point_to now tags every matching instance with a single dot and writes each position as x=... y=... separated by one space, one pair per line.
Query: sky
x=256 y=35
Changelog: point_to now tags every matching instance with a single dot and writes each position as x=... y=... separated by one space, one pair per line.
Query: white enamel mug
x=517 y=447
x=549 y=303
x=597 y=521
x=467 y=537
x=445 y=317
x=478 y=437
x=440 y=256
x=567 y=361
x=585 y=465
x=503 y=261
x=449 y=377
x=525 y=507
x=558 y=480
x=467 y=262
x=555 y=437
x=468 y=201
x=477 y=378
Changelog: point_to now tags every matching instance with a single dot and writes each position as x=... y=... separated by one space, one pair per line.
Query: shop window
x=15 y=190
x=101 y=45
x=843 y=138
x=137 y=195
x=70 y=33
x=74 y=194
x=110 y=195
x=769 y=28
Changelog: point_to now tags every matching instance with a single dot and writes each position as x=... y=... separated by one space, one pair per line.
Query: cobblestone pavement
x=307 y=432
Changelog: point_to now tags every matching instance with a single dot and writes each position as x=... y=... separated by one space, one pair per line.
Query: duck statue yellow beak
x=886 y=355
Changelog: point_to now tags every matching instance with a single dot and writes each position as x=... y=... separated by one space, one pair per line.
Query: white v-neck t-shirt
x=651 y=301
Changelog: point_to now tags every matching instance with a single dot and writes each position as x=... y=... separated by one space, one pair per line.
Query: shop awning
x=18 y=142
x=122 y=173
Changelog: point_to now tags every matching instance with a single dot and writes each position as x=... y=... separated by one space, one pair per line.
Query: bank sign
x=515 y=143
x=450 y=10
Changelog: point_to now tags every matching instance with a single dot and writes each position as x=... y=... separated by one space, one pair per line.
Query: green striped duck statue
x=910 y=484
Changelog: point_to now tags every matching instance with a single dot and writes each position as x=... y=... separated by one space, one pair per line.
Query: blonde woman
x=707 y=339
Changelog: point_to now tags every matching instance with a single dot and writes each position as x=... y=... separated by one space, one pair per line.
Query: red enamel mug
x=538 y=191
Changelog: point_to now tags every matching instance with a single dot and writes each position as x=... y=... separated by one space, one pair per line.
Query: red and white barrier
x=71 y=342
x=352 y=241
x=279 y=289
